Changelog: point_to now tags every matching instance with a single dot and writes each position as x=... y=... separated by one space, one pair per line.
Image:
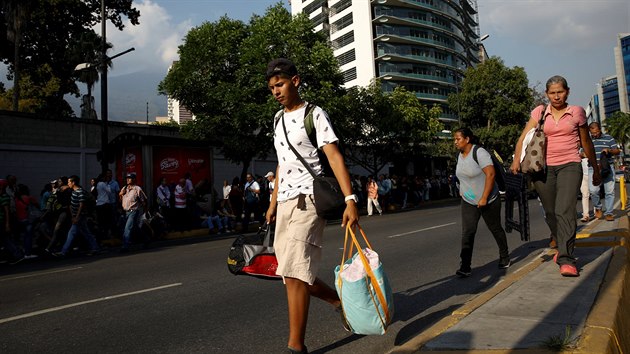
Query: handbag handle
x=306 y=112
x=541 y=121
x=371 y=277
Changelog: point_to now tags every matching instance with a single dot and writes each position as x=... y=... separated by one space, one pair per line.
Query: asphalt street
x=180 y=298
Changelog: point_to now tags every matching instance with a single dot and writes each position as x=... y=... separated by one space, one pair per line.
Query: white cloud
x=573 y=38
x=576 y=24
x=155 y=40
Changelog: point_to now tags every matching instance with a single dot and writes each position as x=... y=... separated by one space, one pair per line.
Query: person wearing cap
x=133 y=203
x=299 y=231
x=271 y=182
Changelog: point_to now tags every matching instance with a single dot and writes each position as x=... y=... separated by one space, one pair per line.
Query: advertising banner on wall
x=131 y=163
x=174 y=163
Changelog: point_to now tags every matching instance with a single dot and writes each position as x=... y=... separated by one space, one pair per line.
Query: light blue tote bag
x=367 y=302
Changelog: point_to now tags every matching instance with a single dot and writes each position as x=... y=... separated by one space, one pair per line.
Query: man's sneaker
x=30 y=256
x=610 y=218
x=464 y=272
x=346 y=326
x=598 y=214
x=504 y=262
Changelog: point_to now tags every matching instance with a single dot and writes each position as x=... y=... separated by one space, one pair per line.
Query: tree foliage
x=50 y=43
x=618 y=126
x=495 y=102
x=383 y=127
x=220 y=77
x=493 y=95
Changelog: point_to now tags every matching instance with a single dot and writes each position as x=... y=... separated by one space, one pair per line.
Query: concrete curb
x=415 y=345
x=607 y=327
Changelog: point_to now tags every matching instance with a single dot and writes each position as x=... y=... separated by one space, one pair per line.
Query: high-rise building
x=422 y=45
x=176 y=111
x=622 y=68
x=608 y=92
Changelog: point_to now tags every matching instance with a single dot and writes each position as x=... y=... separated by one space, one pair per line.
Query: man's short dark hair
x=595 y=124
x=74 y=179
x=280 y=66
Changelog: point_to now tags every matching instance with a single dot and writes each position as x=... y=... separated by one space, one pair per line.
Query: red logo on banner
x=169 y=164
x=130 y=159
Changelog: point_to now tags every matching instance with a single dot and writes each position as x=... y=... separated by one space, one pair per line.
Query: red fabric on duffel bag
x=254 y=255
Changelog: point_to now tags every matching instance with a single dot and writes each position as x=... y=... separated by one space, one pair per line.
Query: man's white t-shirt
x=293 y=178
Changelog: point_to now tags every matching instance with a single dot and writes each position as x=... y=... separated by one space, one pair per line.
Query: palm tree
x=88 y=50
x=17 y=13
x=618 y=126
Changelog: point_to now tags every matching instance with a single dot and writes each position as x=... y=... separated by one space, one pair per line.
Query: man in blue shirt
x=606 y=145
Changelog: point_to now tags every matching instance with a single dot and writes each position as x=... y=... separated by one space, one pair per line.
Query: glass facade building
x=422 y=45
x=622 y=67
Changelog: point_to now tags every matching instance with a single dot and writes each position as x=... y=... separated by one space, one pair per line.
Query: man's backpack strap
x=475 y=154
x=309 y=125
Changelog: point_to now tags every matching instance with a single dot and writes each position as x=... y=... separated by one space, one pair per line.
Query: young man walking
x=78 y=211
x=298 y=237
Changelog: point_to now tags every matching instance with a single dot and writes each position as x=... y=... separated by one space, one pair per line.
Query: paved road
x=179 y=298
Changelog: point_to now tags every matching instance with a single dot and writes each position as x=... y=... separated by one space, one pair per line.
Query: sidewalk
x=534 y=308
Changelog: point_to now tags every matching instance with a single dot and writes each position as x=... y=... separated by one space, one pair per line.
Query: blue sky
x=573 y=38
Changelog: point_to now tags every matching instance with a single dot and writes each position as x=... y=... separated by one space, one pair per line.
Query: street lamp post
x=104 y=118
x=103 y=66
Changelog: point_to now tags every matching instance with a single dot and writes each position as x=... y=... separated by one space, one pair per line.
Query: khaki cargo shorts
x=298 y=240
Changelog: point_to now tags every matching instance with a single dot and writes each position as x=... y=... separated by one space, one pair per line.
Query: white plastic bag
x=355 y=270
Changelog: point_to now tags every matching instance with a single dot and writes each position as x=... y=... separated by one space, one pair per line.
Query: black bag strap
x=284 y=127
x=266 y=228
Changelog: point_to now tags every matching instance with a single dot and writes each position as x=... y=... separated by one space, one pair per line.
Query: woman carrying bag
x=565 y=129
x=480 y=198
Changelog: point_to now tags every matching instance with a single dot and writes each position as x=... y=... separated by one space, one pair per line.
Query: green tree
x=618 y=126
x=220 y=77
x=495 y=102
x=384 y=127
x=65 y=21
x=493 y=95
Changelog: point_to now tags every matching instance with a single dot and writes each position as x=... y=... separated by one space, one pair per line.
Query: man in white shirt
x=298 y=236
x=251 y=196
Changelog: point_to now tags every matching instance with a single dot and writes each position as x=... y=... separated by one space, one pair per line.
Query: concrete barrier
x=607 y=328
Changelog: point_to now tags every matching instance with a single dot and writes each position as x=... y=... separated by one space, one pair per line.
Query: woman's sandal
x=585 y=219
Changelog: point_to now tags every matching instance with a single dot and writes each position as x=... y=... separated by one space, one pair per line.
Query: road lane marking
x=59 y=308
x=43 y=273
x=425 y=229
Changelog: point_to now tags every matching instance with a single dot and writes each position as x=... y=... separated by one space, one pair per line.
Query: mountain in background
x=127 y=97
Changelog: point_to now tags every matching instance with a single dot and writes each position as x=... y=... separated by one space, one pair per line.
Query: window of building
x=341 y=23
x=310 y=8
x=349 y=75
x=343 y=40
x=347 y=57
x=340 y=6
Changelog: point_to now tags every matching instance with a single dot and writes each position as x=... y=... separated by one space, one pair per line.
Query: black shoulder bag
x=329 y=200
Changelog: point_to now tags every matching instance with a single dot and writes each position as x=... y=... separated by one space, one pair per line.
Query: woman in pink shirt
x=565 y=129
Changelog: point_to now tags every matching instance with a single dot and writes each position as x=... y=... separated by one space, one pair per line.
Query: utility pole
x=104 y=119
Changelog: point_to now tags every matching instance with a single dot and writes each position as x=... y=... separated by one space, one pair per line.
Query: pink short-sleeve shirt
x=563 y=138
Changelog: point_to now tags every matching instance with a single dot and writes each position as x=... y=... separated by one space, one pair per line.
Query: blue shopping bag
x=367 y=302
